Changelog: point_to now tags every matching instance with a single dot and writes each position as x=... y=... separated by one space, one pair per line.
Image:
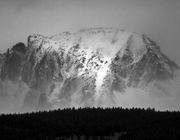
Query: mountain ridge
x=89 y=63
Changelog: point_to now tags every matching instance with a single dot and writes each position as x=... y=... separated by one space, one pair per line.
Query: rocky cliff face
x=88 y=63
x=1 y=59
x=13 y=62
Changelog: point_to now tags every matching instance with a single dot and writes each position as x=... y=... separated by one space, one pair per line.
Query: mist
x=159 y=19
x=162 y=96
x=18 y=97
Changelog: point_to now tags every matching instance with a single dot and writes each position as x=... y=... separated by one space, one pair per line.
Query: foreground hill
x=91 y=123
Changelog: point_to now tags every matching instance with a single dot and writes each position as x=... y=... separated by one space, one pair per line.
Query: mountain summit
x=88 y=63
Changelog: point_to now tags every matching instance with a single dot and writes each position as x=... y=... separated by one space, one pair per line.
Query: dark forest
x=91 y=123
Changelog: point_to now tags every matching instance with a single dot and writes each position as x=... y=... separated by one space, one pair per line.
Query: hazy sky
x=158 y=18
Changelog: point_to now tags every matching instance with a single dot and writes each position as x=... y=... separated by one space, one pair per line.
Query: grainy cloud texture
x=160 y=19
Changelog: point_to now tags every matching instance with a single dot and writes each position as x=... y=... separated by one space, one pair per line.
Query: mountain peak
x=90 y=63
x=129 y=52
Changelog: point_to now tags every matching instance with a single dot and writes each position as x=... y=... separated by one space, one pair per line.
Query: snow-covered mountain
x=89 y=63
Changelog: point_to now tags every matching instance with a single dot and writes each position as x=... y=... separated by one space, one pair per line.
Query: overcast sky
x=160 y=19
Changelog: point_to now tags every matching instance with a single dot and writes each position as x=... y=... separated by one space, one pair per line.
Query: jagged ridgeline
x=89 y=63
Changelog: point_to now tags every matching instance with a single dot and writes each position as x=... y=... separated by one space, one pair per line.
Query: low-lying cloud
x=18 y=97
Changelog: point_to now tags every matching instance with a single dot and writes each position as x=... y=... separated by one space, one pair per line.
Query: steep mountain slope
x=88 y=63
x=1 y=59
x=13 y=62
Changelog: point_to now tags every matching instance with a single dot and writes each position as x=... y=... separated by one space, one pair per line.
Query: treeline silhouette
x=91 y=123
